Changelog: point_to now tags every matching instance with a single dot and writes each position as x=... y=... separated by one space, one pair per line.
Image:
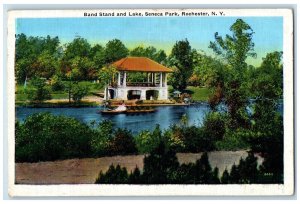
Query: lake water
x=164 y=116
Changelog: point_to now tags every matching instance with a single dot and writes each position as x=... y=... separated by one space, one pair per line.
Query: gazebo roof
x=140 y=64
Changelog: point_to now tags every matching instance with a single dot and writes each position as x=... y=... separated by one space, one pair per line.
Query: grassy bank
x=60 y=104
x=199 y=93
x=59 y=98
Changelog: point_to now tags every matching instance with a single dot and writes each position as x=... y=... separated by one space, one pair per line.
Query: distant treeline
x=46 y=57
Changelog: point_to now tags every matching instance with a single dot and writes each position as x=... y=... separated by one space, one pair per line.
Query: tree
x=234 y=50
x=267 y=88
x=97 y=55
x=122 y=143
x=100 y=140
x=225 y=177
x=78 y=92
x=115 y=50
x=150 y=52
x=36 y=56
x=181 y=60
x=212 y=73
x=160 y=166
x=106 y=76
x=146 y=141
x=56 y=83
x=40 y=92
x=114 y=175
x=45 y=137
x=77 y=57
x=135 y=176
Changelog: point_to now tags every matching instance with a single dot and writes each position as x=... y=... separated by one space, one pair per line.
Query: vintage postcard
x=150 y=102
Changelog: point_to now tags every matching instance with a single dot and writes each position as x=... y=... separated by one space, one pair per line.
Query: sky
x=160 y=32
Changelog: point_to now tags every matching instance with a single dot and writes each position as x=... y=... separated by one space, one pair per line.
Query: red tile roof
x=143 y=64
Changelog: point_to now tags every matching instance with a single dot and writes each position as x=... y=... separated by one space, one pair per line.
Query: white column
x=143 y=94
x=119 y=78
x=154 y=78
x=124 y=79
x=165 y=80
x=160 y=79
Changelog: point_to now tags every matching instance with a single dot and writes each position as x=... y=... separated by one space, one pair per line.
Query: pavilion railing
x=143 y=84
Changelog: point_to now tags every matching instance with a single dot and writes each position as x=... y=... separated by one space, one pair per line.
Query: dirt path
x=81 y=171
x=95 y=99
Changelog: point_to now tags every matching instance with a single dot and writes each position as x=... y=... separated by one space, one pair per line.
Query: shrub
x=39 y=92
x=175 y=138
x=114 y=175
x=57 y=84
x=189 y=139
x=234 y=140
x=135 y=176
x=122 y=143
x=45 y=137
x=160 y=166
x=245 y=173
x=100 y=140
x=146 y=141
x=78 y=92
x=214 y=126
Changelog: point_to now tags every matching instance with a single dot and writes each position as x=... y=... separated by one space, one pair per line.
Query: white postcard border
x=153 y=190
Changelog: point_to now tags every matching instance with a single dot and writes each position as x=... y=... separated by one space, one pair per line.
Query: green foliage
x=236 y=48
x=78 y=60
x=36 y=56
x=135 y=176
x=100 y=140
x=245 y=173
x=97 y=55
x=106 y=74
x=114 y=175
x=39 y=92
x=211 y=71
x=114 y=50
x=214 y=126
x=234 y=140
x=146 y=141
x=44 y=137
x=122 y=143
x=225 y=177
x=268 y=141
x=203 y=173
x=137 y=77
x=78 y=92
x=150 y=52
x=181 y=60
x=160 y=166
x=57 y=83
x=267 y=125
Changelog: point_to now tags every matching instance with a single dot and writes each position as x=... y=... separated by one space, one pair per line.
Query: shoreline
x=94 y=102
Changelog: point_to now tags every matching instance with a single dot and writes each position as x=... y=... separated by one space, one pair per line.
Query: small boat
x=120 y=109
x=123 y=109
x=141 y=111
x=112 y=112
